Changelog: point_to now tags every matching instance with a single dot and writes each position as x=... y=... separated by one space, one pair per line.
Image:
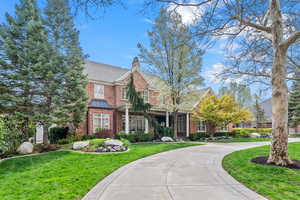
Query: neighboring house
x=266 y=105
x=109 y=109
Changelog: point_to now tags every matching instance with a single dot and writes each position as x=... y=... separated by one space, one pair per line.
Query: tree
x=240 y=92
x=25 y=65
x=65 y=40
x=259 y=113
x=294 y=105
x=175 y=58
x=269 y=31
x=220 y=111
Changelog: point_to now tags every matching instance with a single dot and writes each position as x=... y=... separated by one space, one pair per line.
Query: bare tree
x=267 y=32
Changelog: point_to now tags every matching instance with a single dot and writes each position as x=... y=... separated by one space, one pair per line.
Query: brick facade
x=113 y=98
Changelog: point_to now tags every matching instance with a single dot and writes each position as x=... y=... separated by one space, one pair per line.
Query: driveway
x=184 y=174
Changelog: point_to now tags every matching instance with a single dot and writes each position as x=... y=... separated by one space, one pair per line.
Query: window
x=146 y=96
x=201 y=126
x=101 y=121
x=136 y=123
x=124 y=93
x=98 y=91
x=224 y=128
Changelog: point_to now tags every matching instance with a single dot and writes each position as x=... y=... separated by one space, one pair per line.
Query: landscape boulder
x=25 y=148
x=167 y=139
x=112 y=142
x=80 y=145
x=254 y=135
x=112 y=145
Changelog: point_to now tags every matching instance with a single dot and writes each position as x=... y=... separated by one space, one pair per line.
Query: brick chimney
x=135 y=63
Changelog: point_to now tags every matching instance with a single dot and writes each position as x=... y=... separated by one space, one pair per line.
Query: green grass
x=66 y=175
x=275 y=183
x=242 y=140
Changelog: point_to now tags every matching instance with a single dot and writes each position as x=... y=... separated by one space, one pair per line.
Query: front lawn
x=242 y=140
x=275 y=183
x=67 y=175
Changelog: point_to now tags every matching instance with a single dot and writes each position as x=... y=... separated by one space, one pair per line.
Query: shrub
x=57 y=133
x=40 y=148
x=89 y=137
x=94 y=144
x=245 y=132
x=10 y=136
x=198 y=136
x=64 y=141
x=126 y=142
x=136 y=137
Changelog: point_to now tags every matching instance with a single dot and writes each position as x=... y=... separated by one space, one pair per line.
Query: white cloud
x=213 y=75
x=189 y=14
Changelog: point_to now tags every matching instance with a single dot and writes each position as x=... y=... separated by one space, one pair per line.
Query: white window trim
x=147 y=100
x=100 y=95
x=122 y=97
x=198 y=126
x=104 y=118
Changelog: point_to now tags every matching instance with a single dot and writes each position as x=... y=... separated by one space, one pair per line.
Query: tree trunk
x=175 y=117
x=279 y=148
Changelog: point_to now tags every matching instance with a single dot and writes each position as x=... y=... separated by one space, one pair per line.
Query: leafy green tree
x=294 y=105
x=65 y=40
x=175 y=57
x=220 y=111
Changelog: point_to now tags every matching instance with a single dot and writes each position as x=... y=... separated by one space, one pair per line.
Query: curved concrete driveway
x=183 y=174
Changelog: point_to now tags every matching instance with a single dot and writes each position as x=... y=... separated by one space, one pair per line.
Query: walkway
x=184 y=174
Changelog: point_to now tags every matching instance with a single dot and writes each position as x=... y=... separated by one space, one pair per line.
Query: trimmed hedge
x=202 y=136
x=57 y=133
x=136 y=137
x=245 y=132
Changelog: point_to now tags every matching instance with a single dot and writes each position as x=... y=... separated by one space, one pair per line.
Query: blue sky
x=112 y=37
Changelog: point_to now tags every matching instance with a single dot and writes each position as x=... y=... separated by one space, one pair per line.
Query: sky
x=112 y=37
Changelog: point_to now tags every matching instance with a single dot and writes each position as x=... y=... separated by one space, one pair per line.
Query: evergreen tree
x=25 y=64
x=65 y=40
x=294 y=105
x=259 y=113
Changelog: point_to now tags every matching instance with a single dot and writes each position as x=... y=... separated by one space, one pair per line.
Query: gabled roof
x=103 y=72
x=111 y=74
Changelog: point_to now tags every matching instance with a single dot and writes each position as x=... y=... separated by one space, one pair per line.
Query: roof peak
x=107 y=65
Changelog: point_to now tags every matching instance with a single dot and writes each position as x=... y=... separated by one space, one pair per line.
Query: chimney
x=135 y=63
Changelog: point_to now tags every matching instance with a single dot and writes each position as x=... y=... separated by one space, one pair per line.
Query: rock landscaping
x=80 y=145
x=25 y=148
x=101 y=145
x=167 y=139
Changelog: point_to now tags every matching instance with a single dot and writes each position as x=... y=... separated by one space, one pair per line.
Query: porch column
x=126 y=120
x=187 y=125
x=167 y=119
x=146 y=126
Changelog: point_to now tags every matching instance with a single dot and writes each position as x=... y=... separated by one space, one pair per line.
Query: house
x=109 y=109
x=266 y=105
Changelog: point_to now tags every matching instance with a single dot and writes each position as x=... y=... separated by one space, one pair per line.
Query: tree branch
x=253 y=25
x=291 y=40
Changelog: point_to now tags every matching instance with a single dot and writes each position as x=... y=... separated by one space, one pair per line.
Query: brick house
x=109 y=109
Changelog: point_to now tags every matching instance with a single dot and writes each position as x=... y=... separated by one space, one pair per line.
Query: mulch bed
x=263 y=161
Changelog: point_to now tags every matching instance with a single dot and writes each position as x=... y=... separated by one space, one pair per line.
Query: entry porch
x=134 y=122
